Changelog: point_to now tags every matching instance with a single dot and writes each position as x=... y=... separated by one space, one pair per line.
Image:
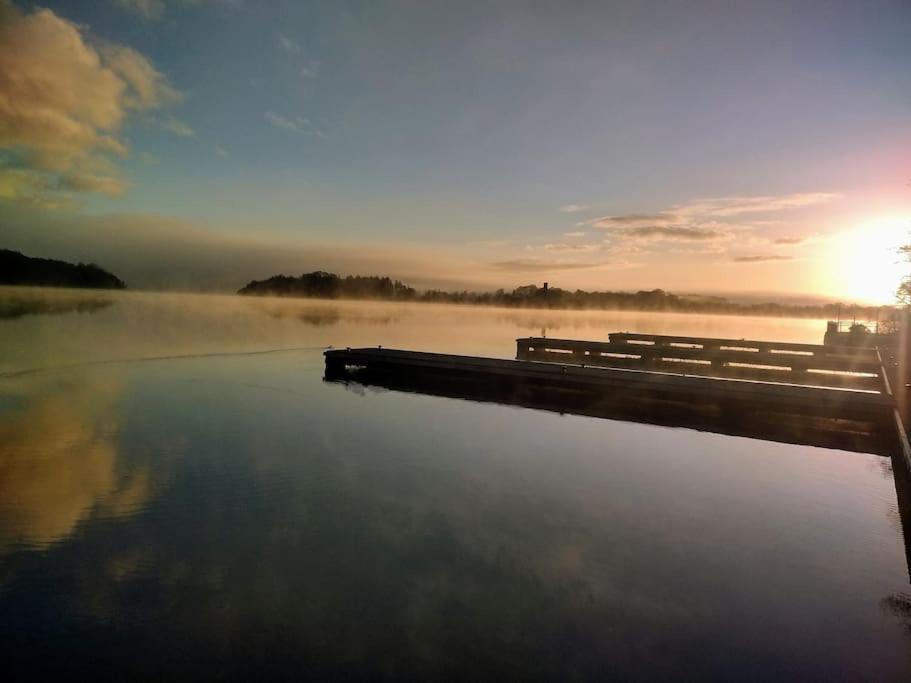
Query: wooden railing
x=807 y=364
x=815 y=350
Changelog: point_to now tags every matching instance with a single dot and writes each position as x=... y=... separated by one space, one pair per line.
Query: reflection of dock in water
x=563 y=394
x=805 y=394
x=902 y=479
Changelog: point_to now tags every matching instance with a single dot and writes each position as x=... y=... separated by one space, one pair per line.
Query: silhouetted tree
x=903 y=294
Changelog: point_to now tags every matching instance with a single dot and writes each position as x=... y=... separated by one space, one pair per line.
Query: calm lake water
x=177 y=503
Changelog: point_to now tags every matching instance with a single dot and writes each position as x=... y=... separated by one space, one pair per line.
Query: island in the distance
x=18 y=269
x=323 y=285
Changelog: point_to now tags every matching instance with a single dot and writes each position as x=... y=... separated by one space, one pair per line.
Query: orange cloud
x=63 y=101
x=762 y=258
x=534 y=265
x=709 y=221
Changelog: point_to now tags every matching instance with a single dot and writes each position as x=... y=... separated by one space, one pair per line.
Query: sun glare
x=867 y=267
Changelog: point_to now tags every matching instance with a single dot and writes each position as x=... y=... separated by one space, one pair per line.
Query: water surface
x=175 y=502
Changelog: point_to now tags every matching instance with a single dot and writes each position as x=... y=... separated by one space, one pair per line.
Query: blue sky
x=455 y=132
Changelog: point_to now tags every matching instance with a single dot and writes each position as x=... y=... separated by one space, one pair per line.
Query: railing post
x=522 y=347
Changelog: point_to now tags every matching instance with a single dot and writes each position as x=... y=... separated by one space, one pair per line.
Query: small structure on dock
x=878 y=333
x=853 y=334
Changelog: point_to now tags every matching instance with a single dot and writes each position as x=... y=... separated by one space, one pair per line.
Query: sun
x=867 y=266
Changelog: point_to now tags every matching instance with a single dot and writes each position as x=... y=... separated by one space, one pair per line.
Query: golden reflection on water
x=59 y=464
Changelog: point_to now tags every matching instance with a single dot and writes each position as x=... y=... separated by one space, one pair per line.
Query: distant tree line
x=19 y=269
x=330 y=286
x=324 y=285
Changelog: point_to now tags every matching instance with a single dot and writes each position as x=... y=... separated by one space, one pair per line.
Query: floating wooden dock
x=864 y=436
x=615 y=376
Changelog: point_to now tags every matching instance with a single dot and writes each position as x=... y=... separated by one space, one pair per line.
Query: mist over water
x=51 y=328
x=182 y=495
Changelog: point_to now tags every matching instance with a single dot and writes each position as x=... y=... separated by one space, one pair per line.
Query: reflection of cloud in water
x=320 y=587
x=58 y=463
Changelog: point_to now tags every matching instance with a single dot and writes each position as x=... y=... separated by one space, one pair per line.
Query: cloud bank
x=162 y=253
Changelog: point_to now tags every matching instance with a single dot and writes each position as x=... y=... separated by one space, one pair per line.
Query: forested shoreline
x=320 y=284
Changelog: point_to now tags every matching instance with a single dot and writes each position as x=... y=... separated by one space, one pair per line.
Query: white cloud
x=297 y=125
x=289 y=45
x=147 y=9
x=154 y=10
x=574 y=233
x=222 y=152
x=177 y=127
x=573 y=208
x=281 y=122
x=310 y=69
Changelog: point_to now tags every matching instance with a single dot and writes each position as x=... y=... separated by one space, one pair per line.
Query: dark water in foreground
x=210 y=515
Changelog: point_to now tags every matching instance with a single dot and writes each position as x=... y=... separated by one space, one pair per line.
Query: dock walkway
x=730 y=395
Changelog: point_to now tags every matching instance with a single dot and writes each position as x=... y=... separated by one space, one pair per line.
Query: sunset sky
x=694 y=146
